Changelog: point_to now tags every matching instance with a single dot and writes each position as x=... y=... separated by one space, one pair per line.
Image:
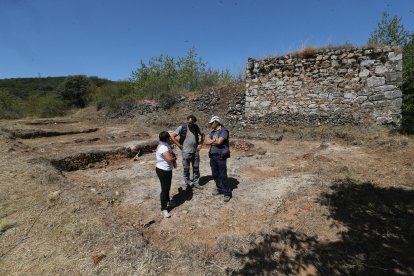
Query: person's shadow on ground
x=231 y=181
x=182 y=196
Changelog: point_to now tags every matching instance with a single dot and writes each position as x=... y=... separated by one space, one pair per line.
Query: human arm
x=169 y=157
x=200 y=145
x=214 y=141
x=175 y=141
x=175 y=137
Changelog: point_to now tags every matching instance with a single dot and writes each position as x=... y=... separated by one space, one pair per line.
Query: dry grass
x=66 y=227
x=306 y=52
x=6 y=225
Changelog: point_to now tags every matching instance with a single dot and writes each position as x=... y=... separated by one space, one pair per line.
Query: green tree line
x=161 y=78
x=45 y=97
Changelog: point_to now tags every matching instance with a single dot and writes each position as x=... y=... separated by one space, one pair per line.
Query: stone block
x=392 y=77
x=350 y=95
x=361 y=99
x=381 y=103
x=393 y=94
x=397 y=103
x=377 y=97
x=375 y=81
x=367 y=63
x=265 y=103
x=396 y=57
x=367 y=105
x=379 y=70
x=363 y=73
x=384 y=88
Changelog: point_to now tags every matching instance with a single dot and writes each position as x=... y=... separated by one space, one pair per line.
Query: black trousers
x=165 y=180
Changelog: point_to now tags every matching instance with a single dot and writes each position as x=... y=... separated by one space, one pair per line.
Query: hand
x=199 y=147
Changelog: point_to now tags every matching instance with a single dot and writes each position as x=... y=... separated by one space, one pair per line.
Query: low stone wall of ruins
x=326 y=86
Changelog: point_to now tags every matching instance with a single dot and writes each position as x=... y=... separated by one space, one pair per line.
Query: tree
x=164 y=74
x=76 y=91
x=407 y=124
x=389 y=31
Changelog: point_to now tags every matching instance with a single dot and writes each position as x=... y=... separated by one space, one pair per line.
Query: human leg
x=215 y=172
x=165 y=181
x=222 y=176
x=196 y=169
x=186 y=170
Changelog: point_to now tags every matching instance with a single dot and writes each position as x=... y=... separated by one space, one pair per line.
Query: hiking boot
x=215 y=192
x=198 y=186
x=165 y=213
x=226 y=198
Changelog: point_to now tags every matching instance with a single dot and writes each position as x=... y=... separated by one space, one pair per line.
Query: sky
x=108 y=38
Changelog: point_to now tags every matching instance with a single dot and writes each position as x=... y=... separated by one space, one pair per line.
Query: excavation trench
x=102 y=156
x=88 y=159
x=36 y=133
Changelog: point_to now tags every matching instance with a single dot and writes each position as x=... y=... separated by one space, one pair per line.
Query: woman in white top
x=166 y=161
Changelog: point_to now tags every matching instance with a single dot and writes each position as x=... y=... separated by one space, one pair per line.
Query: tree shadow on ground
x=379 y=239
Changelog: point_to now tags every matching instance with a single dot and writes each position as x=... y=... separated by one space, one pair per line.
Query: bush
x=108 y=95
x=11 y=107
x=165 y=74
x=45 y=106
x=407 y=124
x=76 y=91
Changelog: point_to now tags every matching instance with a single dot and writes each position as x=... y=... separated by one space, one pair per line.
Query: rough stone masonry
x=326 y=86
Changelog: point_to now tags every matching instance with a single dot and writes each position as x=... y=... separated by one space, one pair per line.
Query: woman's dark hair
x=164 y=135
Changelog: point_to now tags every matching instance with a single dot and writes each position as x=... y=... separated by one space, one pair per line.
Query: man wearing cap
x=218 y=139
x=189 y=138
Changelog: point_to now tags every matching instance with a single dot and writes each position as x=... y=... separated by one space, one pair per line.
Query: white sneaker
x=165 y=213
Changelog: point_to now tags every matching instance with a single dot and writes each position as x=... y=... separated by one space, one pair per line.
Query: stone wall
x=326 y=86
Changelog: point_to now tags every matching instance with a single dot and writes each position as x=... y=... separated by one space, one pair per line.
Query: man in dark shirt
x=218 y=139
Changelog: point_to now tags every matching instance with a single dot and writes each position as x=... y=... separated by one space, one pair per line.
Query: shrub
x=10 y=106
x=108 y=95
x=45 y=106
x=407 y=124
x=165 y=74
x=76 y=91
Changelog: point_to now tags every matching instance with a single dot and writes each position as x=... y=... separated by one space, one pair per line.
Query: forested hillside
x=25 y=87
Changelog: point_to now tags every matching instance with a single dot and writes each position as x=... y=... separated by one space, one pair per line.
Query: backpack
x=183 y=133
x=224 y=148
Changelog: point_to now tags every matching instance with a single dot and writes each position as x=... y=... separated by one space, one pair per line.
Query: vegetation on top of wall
x=306 y=52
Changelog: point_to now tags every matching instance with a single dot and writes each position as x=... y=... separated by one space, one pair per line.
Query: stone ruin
x=326 y=86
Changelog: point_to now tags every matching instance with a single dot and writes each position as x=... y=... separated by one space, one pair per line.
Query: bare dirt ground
x=327 y=200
